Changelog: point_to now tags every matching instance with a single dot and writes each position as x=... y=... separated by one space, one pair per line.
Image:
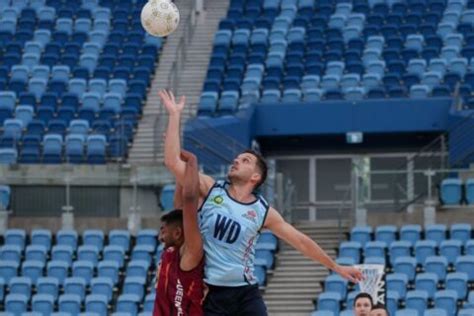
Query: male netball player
x=362 y=304
x=230 y=218
x=180 y=275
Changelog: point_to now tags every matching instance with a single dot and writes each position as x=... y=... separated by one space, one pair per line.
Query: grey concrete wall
x=147 y=202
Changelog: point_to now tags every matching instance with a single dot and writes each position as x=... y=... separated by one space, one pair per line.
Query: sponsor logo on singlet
x=178 y=298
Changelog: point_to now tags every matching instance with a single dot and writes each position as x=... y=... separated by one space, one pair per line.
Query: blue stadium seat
x=451 y=191
x=52 y=148
x=446 y=299
x=270 y=96
x=96 y=303
x=335 y=283
x=20 y=285
x=109 y=269
x=120 y=238
x=48 y=286
x=8 y=156
x=450 y=249
x=15 y=237
x=36 y=253
x=470 y=191
x=88 y=253
x=8 y=270
x=134 y=285
x=69 y=303
x=457 y=281
x=5 y=192
x=406 y=312
x=435 y=312
x=76 y=286
x=437 y=265
x=149 y=302
x=95 y=152
x=375 y=249
x=417 y=300
x=397 y=282
x=11 y=252
x=461 y=232
x=32 y=269
x=67 y=237
x=329 y=301
x=58 y=269
x=128 y=303
x=406 y=265
x=391 y=302
x=142 y=252
x=469 y=247
x=350 y=250
x=386 y=234
x=267 y=240
x=322 y=313
x=465 y=264
x=427 y=282
x=102 y=286
x=398 y=249
x=137 y=268
x=16 y=303
x=424 y=249
x=98 y=86
x=436 y=232
x=75 y=148
x=24 y=113
x=84 y=270
x=166 y=197
x=43 y=303
x=93 y=237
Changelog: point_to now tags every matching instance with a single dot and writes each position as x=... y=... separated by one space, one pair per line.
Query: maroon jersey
x=178 y=293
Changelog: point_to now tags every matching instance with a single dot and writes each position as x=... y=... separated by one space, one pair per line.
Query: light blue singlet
x=230 y=230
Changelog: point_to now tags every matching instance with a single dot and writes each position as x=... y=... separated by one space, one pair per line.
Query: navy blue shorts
x=234 y=301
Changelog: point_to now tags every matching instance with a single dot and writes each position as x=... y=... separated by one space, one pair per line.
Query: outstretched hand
x=188 y=157
x=169 y=101
x=352 y=274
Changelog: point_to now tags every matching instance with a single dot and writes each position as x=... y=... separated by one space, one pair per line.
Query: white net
x=373 y=282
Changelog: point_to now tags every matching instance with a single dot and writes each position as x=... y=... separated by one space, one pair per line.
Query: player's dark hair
x=379 y=306
x=261 y=165
x=173 y=217
x=363 y=295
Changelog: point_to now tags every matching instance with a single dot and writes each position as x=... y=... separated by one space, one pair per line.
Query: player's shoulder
x=262 y=201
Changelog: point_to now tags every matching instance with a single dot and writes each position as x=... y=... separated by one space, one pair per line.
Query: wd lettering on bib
x=230 y=230
x=222 y=225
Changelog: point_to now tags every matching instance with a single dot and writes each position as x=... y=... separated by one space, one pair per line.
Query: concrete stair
x=148 y=142
x=295 y=281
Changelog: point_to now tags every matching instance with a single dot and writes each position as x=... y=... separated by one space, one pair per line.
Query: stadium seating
x=299 y=51
x=62 y=63
x=92 y=273
x=428 y=269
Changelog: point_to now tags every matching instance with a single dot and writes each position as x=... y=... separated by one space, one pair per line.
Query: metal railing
x=181 y=50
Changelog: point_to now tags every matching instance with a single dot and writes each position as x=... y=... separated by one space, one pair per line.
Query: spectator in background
x=363 y=304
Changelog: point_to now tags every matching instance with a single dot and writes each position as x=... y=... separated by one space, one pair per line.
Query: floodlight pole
x=429 y=211
x=68 y=215
x=134 y=216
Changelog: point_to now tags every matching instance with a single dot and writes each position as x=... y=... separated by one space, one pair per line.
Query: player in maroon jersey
x=180 y=275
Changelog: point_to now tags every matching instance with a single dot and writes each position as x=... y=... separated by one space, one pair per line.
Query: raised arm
x=173 y=145
x=192 y=250
x=307 y=246
x=178 y=197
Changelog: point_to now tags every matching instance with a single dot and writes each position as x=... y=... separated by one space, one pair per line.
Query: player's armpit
x=205 y=184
